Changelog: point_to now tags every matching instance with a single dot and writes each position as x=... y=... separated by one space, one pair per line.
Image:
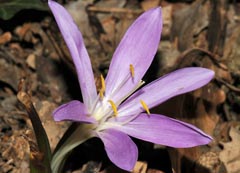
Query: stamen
x=132 y=70
x=145 y=107
x=114 y=107
x=103 y=87
x=132 y=91
x=101 y=94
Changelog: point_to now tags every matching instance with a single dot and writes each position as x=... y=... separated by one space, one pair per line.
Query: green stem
x=82 y=133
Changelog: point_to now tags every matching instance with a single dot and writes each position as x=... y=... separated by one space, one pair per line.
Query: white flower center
x=105 y=108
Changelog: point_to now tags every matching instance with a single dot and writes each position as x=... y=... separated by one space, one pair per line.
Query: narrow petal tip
x=51 y=2
x=206 y=139
x=155 y=12
x=208 y=72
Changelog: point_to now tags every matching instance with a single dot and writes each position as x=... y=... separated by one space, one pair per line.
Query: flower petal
x=74 y=111
x=162 y=130
x=168 y=86
x=120 y=149
x=74 y=41
x=137 y=48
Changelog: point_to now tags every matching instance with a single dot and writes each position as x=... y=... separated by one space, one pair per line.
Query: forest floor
x=195 y=33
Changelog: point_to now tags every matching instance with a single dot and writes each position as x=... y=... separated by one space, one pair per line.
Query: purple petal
x=162 y=130
x=138 y=47
x=74 y=41
x=120 y=149
x=73 y=111
x=168 y=86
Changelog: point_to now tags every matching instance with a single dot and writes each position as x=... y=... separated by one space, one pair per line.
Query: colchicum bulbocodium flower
x=121 y=108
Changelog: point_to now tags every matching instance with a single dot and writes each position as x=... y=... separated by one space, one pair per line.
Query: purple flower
x=117 y=110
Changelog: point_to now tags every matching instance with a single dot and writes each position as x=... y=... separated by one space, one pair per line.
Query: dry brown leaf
x=15 y=153
x=209 y=160
x=5 y=37
x=140 y=167
x=230 y=155
x=54 y=130
x=154 y=171
x=148 y=4
x=9 y=73
x=167 y=12
x=31 y=61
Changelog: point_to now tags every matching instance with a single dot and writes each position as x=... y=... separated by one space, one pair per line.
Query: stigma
x=145 y=107
x=114 y=108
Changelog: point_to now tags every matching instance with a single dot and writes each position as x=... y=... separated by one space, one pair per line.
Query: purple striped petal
x=120 y=148
x=138 y=47
x=73 y=111
x=168 y=86
x=74 y=41
x=162 y=130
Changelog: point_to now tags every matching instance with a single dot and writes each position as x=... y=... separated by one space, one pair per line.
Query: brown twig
x=112 y=10
x=213 y=57
x=231 y=87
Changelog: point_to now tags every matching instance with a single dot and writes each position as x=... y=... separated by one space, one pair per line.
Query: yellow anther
x=114 y=107
x=132 y=70
x=145 y=107
x=103 y=86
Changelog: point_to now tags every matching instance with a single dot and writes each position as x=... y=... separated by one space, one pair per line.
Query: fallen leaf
x=5 y=37
x=230 y=155
x=148 y=4
x=140 y=167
